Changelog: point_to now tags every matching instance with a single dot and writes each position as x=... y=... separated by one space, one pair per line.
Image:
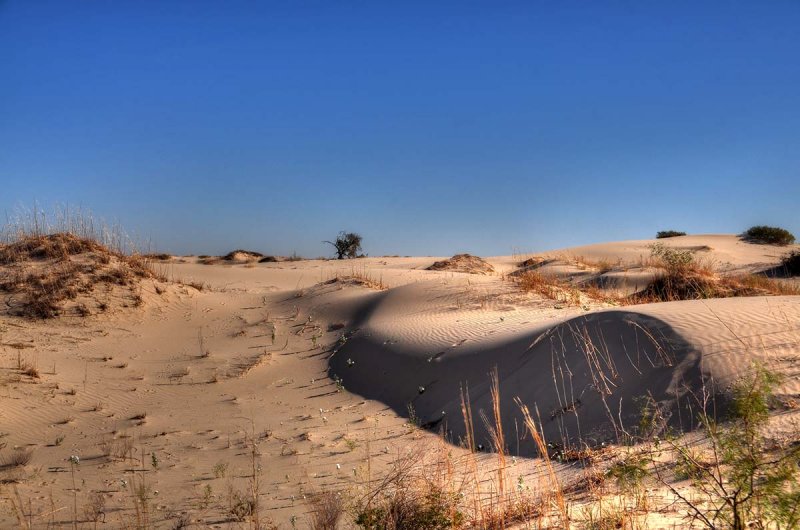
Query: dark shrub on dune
x=669 y=233
x=769 y=235
x=791 y=262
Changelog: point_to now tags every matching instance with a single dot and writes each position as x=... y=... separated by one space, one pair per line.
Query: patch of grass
x=686 y=278
x=409 y=509
x=360 y=276
x=769 y=235
x=44 y=274
x=547 y=286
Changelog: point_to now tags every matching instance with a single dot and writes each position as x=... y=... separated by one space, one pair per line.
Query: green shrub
x=769 y=235
x=791 y=263
x=672 y=259
x=347 y=245
x=739 y=477
x=669 y=233
x=405 y=510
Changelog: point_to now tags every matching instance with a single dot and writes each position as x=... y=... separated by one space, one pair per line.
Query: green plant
x=739 y=477
x=672 y=259
x=669 y=233
x=402 y=510
x=791 y=263
x=770 y=235
x=347 y=245
x=220 y=469
x=629 y=472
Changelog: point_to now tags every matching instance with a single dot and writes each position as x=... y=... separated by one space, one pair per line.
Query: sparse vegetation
x=685 y=278
x=463 y=263
x=741 y=478
x=669 y=233
x=769 y=235
x=347 y=245
x=791 y=263
x=49 y=269
x=242 y=255
x=547 y=286
x=17 y=458
x=327 y=509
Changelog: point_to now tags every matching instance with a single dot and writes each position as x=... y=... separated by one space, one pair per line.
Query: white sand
x=430 y=329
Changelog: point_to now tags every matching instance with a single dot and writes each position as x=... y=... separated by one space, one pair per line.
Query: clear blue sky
x=429 y=127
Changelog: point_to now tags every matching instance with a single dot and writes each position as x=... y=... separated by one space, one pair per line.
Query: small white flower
x=338 y=466
x=74 y=459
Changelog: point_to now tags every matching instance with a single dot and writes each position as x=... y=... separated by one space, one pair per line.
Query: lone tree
x=347 y=245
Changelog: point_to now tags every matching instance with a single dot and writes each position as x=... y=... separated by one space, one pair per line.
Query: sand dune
x=319 y=374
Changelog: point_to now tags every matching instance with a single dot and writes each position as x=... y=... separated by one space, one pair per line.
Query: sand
x=320 y=374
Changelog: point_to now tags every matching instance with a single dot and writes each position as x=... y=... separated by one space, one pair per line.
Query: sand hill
x=275 y=367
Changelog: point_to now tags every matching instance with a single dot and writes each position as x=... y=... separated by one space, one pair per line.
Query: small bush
x=769 y=235
x=347 y=245
x=669 y=233
x=741 y=478
x=673 y=260
x=326 y=510
x=791 y=263
x=18 y=458
x=435 y=510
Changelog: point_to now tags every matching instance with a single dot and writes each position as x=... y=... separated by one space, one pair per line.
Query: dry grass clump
x=406 y=498
x=361 y=278
x=463 y=263
x=682 y=276
x=242 y=255
x=532 y=262
x=357 y=276
x=547 y=286
x=157 y=257
x=686 y=278
x=327 y=509
x=43 y=276
x=17 y=458
x=58 y=246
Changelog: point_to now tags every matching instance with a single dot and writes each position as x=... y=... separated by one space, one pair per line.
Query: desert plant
x=672 y=259
x=347 y=245
x=18 y=458
x=403 y=510
x=739 y=477
x=669 y=233
x=770 y=235
x=326 y=510
x=791 y=263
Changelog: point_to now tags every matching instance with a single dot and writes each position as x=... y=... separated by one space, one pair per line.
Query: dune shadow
x=601 y=377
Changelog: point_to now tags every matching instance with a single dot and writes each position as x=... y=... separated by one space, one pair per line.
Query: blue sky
x=429 y=127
